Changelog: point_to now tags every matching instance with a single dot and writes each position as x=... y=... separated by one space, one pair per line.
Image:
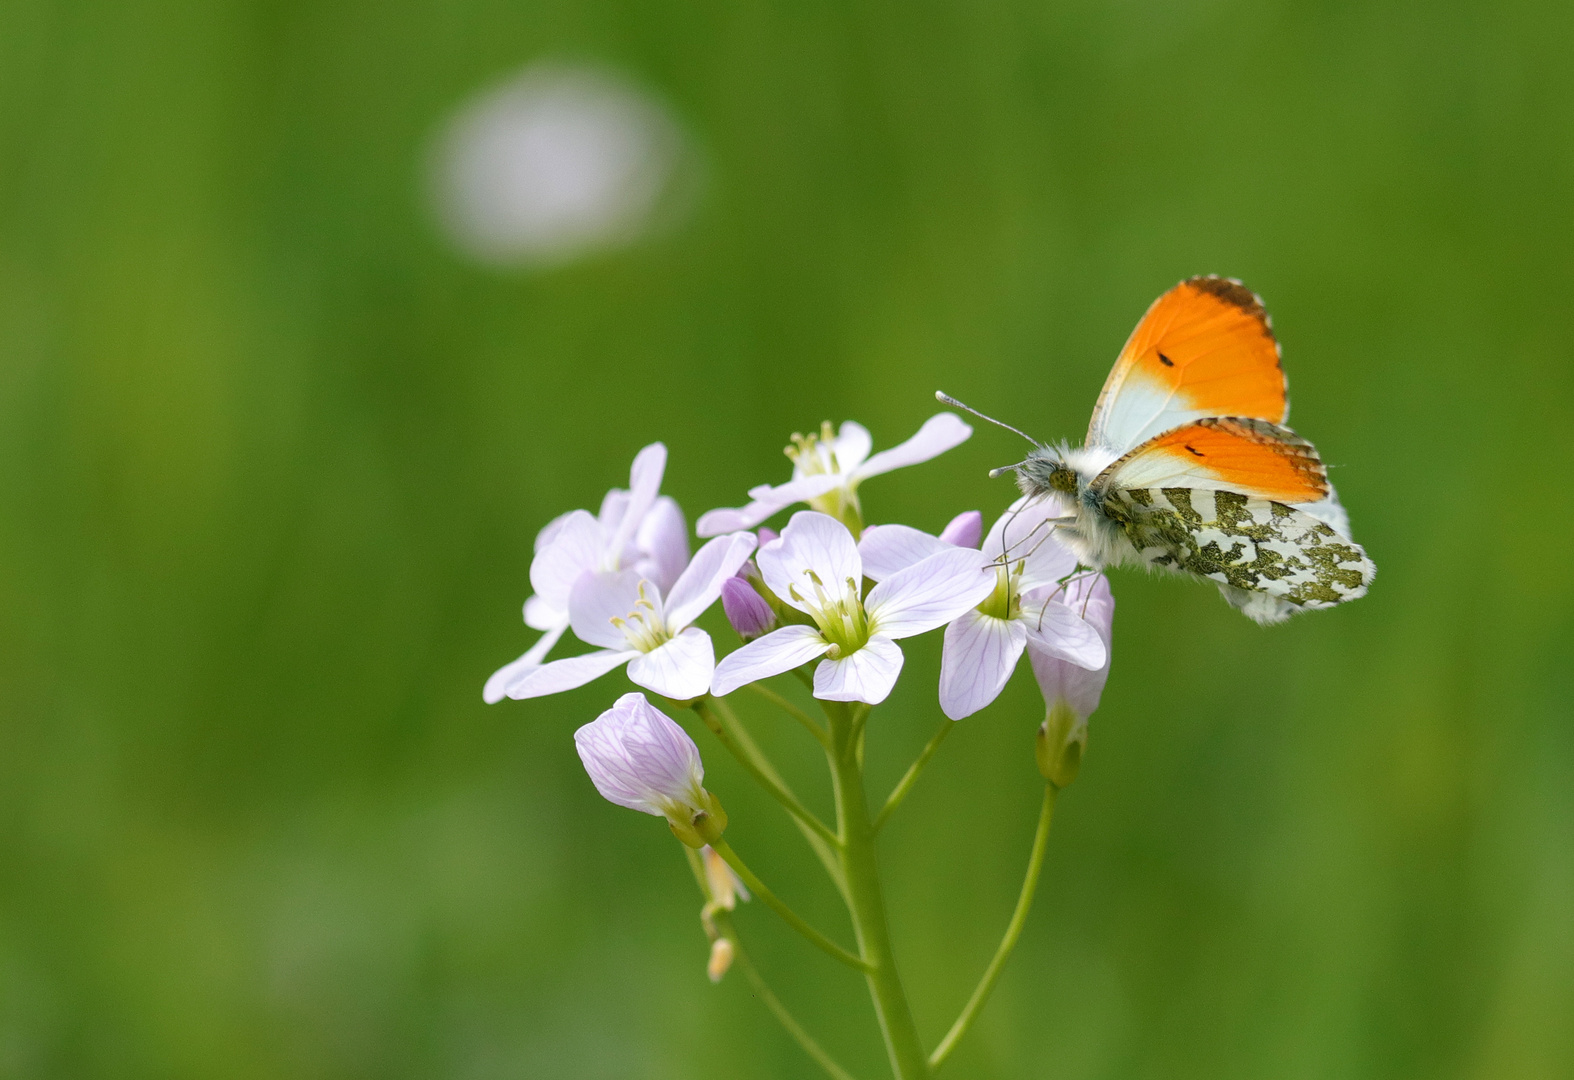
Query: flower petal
x=575 y=548
x=866 y=675
x=700 y=584
x=851 y=446
x=766 y=500
x=663 y=542
x=1023 y=534
x=644 y=484
x=811 y=542
x=885 y=549
x=540 y=615
x=496 y=688
x=679 y=669
x=613 y=503
x=1057 y=630
x=549 y=532
x=964 y=530
x=1090 y=597
x=1062 y=681
x=980 y=654
x=940 y=433
x=599 y=598
x=562 y=675
x=930 y=593
x=776 y=652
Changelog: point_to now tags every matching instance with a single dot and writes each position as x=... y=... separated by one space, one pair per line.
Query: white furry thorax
x=1052 y=472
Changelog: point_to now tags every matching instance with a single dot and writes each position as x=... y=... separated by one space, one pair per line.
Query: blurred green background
x=272 y=457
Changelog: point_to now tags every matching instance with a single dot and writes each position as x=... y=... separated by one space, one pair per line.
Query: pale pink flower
x=637 y=624
x=1076 y=686
x=637 y=529
x=815 y=568
x=638 y=757
x=827 y=469
x=1028 y=609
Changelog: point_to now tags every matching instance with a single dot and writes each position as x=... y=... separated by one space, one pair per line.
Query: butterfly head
x=1044 y=472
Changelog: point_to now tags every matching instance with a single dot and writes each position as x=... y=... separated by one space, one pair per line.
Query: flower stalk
x=986 y=985
x=866 y=897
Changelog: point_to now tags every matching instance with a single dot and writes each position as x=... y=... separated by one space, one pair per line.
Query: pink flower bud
x=766 y=535
x=965 y=530
x=746 y=609
x=639 y=758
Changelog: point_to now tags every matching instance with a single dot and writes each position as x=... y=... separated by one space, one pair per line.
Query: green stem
x=866 y=901
x=793 y=711
x=1035 y=865
x=794 y=920
x=772 y=1002
x=910 y=777
x=735 y=739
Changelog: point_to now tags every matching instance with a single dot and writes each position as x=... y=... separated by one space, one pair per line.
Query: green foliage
x=271 y=460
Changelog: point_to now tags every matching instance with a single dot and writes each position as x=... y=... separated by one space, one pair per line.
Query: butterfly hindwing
x=1205 y=348
x=1269 y=559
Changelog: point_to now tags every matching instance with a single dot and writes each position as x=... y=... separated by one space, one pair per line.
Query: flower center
x=643 y=628
x=841 y=618
x=1005 y=602
x=813 y=455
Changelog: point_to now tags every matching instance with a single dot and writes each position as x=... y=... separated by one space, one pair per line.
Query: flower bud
x=746 y=609
x=725 y=887
x=1062 y=739
x=766 y=535
x=965 y=530
x=721 y=953
x=639 y=758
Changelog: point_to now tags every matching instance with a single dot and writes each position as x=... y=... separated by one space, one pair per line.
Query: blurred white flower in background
x=555 y=163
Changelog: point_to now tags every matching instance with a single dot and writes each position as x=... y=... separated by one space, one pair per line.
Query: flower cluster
x=623 y=581
x=828 y=599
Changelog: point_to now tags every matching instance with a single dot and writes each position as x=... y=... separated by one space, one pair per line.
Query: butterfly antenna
x=949 y=400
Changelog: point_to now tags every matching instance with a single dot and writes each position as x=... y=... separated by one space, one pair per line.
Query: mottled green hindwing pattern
x=1242 y=543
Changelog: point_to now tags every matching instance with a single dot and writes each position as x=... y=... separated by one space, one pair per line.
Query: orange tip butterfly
x=1188 y=467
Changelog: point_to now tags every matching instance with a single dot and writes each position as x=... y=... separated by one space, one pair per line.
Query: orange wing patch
x=1229 y=453
x=1205 y=348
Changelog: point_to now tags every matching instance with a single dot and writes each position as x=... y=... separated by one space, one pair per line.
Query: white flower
x=636 y=529
x=639 y=758
x=827 y=469
x=815 y=567
x=1028 y=608
x=1077 y=686
x=627 y=614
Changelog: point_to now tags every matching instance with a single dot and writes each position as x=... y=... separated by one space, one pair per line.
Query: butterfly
x=1188 y=466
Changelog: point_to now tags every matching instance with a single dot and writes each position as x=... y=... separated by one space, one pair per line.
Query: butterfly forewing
x=1205 y=348
x=1243 y=543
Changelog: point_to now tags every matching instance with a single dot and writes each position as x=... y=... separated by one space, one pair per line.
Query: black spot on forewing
x=1166 y=361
